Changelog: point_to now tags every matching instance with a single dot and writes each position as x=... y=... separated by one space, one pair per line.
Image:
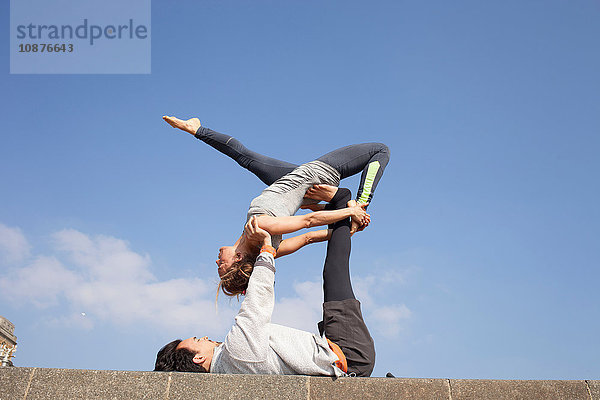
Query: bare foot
x=190 y=126
x=321 y=192
x=355 y=226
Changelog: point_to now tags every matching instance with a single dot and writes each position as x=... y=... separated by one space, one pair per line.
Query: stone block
x=13 y=382
x=517 y=390
x=74 y=384
x=190 y=386
x=378 y=388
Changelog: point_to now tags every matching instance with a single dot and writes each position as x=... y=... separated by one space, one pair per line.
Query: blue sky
x=482 y=260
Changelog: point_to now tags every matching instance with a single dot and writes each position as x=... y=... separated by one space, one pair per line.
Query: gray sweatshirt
x=285 y=196
x=256 y=346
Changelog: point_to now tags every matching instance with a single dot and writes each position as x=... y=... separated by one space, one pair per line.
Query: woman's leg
x=267 y=169
x=370 y=158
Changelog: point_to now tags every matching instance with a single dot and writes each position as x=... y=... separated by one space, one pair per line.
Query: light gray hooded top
x=256 y=346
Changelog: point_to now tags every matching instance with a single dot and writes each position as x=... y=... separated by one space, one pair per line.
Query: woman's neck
x=245 y=246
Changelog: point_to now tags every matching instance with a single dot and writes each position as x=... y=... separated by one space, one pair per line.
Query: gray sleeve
x=248 y=339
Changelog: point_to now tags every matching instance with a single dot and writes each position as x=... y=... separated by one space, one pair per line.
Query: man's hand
x=254 y=233
x=321 y=192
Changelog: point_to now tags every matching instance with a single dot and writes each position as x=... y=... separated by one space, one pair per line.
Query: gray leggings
x=370 y=158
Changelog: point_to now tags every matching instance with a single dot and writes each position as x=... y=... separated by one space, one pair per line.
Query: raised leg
x=336 y=272
x=370 y=158
x=342 y=322
x=267 y=169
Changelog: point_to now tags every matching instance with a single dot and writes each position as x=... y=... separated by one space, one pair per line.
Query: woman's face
x=227 y=256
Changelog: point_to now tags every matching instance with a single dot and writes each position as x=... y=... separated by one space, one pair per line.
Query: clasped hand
x=255 y=233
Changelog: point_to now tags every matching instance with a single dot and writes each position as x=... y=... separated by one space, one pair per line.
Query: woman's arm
x=281 y=225
x=291 y=245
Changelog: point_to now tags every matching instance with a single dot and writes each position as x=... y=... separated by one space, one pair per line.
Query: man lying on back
x=256 y=346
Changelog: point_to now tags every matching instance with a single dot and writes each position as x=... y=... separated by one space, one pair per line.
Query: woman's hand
x=321 y=192
x=359 y=216
x=356 y=227
x=255 y=233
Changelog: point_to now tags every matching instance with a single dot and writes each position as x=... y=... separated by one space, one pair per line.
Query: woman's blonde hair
x=235 y=281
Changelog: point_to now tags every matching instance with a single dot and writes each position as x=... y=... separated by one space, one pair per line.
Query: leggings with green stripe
x=370 y=158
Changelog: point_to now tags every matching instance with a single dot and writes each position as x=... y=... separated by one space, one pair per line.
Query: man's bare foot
x=355 y=226
x=190 y=126
x=321 y=192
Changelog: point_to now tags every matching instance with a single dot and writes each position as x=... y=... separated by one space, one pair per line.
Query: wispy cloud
x=86 y=279
x=388 y=319
x=302 y=310
x=100 y=279
x=14 y=247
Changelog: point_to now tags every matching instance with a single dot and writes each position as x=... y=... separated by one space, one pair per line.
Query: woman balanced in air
x=288 y=185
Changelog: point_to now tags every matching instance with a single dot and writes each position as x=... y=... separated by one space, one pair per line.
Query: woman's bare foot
x=321 y=192
x=355 y=226
x=190 y=126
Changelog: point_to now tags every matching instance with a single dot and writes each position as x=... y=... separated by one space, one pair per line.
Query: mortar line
x=308 y=388
x=449 y=389
x=168 y=386
x=29 y=384
x=587 y=386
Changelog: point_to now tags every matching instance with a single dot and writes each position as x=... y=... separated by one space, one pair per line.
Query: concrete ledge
x=46 y=383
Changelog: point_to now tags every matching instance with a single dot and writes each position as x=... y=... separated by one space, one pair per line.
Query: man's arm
x=248 y=339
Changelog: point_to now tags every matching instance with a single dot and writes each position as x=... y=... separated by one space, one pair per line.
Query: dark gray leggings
x=370 y=158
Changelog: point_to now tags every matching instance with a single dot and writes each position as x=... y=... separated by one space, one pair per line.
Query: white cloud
x=103 y=278
x=14 y=247
x=90 y=279
x=378 y=293
x=387 y=320
x=41 y=282
x=302 y=311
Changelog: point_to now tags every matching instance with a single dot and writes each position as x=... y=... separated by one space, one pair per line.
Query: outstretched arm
x=281 y=225
x=291 y=245
x=248 y=339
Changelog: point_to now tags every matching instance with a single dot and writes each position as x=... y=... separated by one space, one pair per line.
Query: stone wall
x=43 y=383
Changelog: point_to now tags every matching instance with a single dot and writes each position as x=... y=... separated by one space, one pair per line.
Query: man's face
x=227 y=256
x=202 y=346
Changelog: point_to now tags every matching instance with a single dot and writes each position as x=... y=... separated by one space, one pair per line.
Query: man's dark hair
x=170 y=358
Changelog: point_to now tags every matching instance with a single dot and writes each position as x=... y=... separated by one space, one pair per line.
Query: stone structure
x=71 y=384
x=8 y=342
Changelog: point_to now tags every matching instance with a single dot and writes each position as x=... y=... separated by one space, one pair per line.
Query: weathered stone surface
x=90 y=385
x=513 y=389
x=13 y=382
x=190 y=386
x=594 y=389
x=42 y=383
x=378 y=388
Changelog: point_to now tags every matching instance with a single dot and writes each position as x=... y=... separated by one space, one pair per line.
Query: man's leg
x=370 y=158
x=342 y=322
